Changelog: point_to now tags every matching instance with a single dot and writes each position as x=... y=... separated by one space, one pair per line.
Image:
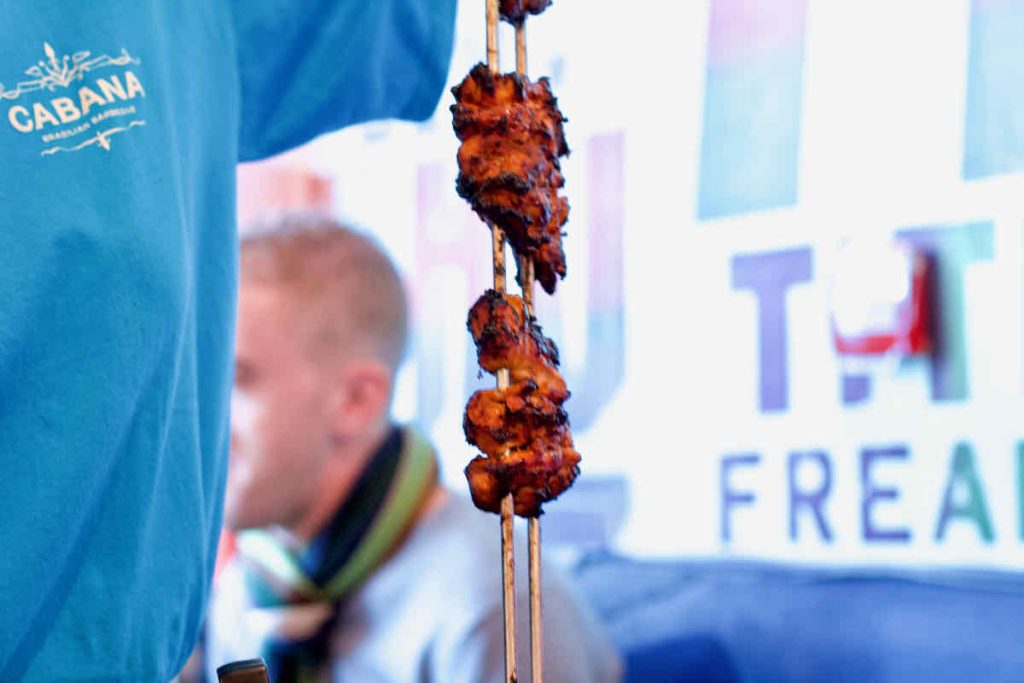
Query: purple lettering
x=812 y=499
x=872 y=493
x=730 y=497
x=770 y=275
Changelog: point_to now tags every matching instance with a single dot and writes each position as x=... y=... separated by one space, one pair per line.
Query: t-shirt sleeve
x=307 y=67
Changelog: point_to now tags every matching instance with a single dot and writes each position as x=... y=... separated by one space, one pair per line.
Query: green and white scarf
x=296 y=595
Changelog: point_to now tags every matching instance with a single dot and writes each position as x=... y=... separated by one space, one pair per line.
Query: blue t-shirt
x=120 y=126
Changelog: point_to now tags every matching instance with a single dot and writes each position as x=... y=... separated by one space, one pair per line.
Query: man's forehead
x=269 y=312
x=259 y=300
x=265 y=310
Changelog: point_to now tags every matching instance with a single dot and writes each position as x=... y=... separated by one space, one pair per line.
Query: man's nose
x=237 y=418
x=242 y=415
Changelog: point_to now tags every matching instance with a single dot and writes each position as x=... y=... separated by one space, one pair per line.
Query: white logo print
x=64 y=100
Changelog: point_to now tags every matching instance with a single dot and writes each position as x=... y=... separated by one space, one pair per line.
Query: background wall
x=722 y=152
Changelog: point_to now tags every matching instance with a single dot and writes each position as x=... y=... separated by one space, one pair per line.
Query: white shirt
x=433 y=614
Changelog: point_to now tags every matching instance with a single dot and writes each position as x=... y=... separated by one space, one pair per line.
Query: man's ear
x=362 y=397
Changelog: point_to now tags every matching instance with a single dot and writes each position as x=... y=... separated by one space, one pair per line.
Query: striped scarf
x=298 y=595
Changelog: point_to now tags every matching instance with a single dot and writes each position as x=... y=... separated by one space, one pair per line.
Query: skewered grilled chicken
x=523 y=429
x=509 y=171
x=505 y=337
x=514 y=11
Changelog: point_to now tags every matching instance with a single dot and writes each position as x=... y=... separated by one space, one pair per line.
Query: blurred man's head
x=322 y=327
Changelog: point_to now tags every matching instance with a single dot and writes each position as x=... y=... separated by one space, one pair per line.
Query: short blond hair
x=341 y=276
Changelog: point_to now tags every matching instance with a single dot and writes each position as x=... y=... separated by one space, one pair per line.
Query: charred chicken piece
x=533 y=475
x=497 y=420
x=514 y=11
x=512 y=138
x=510 y=105
x=495 y=313
x=506 y=338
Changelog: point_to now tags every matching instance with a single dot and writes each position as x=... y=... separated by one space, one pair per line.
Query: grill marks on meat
x=497 y=420
x=512 y=138
x=523 y=430
x=514 y=11
x=534 y=476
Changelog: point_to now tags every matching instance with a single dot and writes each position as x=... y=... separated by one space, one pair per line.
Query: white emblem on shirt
x=64 y=100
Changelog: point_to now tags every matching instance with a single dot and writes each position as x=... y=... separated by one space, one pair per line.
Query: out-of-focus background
x=791 y=325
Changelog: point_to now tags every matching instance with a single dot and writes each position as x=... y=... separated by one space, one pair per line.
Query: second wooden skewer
x=526 y=281
x=526 y=278
x=525 y=269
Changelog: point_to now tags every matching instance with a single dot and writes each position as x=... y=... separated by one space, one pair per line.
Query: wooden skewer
x=492 y=36
x=521 y=47
x=498 y=244
x=536 y=629
x=508 y=566
x=525 y=269
x=508 y=572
